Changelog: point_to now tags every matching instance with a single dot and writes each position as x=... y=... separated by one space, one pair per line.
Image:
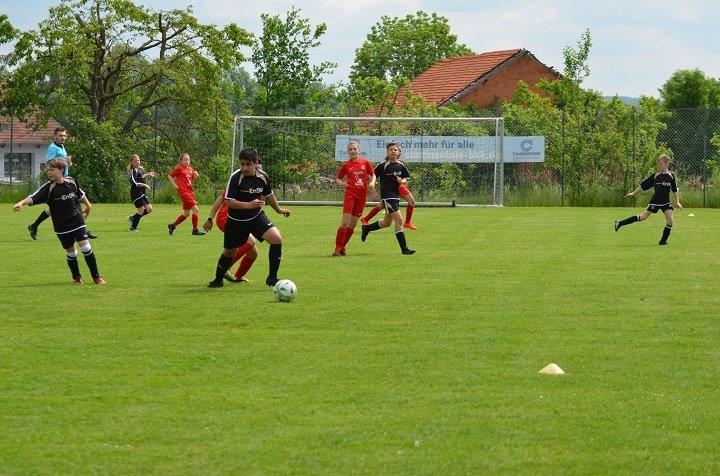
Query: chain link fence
x=591 y=164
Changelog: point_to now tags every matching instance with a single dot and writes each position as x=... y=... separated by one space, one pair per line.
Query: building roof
x=25 y=132
x=451 y=78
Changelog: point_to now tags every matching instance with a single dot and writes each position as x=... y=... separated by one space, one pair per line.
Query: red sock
x=339 y=237
x=408 y=213
x=374 y=211
x=195 y=220
x=245 y=265
x=348 y=234
x=240 y=252
x=179 y=220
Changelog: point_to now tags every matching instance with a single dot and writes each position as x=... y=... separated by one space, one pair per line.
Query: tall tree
x=119 y=59
x=282 y=61
x=405 y=47
x=690 y=88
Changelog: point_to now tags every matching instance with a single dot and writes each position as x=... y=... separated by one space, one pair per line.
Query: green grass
x=384 y=364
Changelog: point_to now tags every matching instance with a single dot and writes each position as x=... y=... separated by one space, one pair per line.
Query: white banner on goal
x=446 y=149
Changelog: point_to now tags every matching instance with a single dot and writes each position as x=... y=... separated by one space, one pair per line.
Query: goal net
x=452 y=160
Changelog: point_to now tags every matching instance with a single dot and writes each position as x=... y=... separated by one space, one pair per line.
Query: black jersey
x=246 y=189
x=137 y=176
x=388 y=173
x=64 y=202
x=663 y=185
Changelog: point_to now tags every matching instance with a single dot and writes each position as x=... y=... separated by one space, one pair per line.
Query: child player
x=663 y=182
x=246 y=253
x=391 y=173
x=182 y=178
x=63 y=196
x=138 y=186
x=247 y=190
x=355 y=175
x=406 y=195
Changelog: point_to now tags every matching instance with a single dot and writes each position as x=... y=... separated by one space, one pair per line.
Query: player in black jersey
x=138 y=187
x=247 y=190
x=663 y=182
x=63 y=197
x=392 y=173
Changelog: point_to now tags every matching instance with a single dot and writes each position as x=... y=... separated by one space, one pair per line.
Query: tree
x=116 y=63
x=688 y=88
x=282 y=61
x=405 y=47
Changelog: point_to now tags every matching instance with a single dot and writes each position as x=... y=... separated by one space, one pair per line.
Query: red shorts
x=221 y=221
x=403 y=191
x=188 y=200
x=354 y=202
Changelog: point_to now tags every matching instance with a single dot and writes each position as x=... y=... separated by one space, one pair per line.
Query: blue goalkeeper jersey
x=57 y=151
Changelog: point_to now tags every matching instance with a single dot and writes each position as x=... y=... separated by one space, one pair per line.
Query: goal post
x=452 y=160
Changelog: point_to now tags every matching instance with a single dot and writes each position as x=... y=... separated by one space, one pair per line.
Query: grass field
x=383 y=364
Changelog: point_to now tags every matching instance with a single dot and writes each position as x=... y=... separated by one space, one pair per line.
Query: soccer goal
x=452 y=160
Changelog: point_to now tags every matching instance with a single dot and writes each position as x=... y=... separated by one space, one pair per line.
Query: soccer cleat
x=365 y=232
x=364 y=221
x=215 y=284
x=77 y=280
x=343 y=252
x=410 y=226
x=91 y=235
x=197 y=232
x=617 y=225
x=233 y=279
x=171 y=228
x=662 y=243
x=408 y=251
x=33 y=232
x=134 y=230
x=99 y=281
x=271 y=280
x=336 y=253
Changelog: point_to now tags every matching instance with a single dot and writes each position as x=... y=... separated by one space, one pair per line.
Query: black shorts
x=238 y=232
x=391 y=205
x=654 y=207
x=68 y=239
x=141 y=201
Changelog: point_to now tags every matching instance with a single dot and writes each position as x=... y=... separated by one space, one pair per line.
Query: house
x=22 y=149
x=485 y=80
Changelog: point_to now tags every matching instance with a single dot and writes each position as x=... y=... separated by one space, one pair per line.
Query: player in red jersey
x=246 y=253
x=182 y=178
x=406 y=195
x=355 y=175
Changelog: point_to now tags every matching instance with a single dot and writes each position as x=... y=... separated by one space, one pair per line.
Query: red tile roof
x=450 y=78
x=25 y=132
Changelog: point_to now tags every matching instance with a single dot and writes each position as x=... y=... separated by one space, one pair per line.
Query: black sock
x=136 y=220
x=666 y=234
x=629 y=220
x=274 y=255
x=223 y=265
x=41 y=218
x=373 y=226
x=92 y=263
x=400 y=235
x=73 y=265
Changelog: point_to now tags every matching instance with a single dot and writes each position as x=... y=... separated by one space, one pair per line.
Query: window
x=17 y=167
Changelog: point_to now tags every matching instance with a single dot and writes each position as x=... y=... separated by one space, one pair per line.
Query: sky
x=636 y=44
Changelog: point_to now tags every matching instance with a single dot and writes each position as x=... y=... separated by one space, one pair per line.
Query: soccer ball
x=285 y=290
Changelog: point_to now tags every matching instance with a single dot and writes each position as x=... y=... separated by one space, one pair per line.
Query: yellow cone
x=551 y=369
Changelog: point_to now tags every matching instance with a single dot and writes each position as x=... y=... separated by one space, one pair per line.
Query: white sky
x=637 y=44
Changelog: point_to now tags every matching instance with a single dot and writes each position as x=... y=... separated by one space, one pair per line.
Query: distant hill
x=626 y=99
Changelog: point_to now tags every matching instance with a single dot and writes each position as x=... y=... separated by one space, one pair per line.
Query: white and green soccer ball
x=285 y=290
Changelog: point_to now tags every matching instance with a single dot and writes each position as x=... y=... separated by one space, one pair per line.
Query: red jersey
x=184 y=176
x=357 y=173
